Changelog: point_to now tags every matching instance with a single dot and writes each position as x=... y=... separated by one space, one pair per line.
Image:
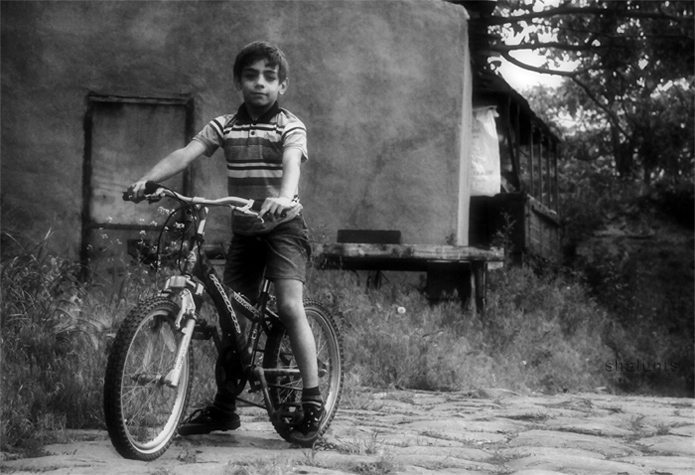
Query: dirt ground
x=415 y=432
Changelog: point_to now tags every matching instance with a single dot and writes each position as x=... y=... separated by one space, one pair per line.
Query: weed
x=373 y=445
x=310 y=456
x=380 y=467
x=401 y=397
x=662 y=429
x=275 y=466
x=384 y=465
x=637 y=423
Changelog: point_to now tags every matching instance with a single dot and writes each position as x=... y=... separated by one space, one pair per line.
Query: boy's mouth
x=258 y=95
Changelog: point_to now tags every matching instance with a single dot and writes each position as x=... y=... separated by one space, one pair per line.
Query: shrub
x=634 y=248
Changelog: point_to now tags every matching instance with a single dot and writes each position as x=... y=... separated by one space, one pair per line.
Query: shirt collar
x=243 y=116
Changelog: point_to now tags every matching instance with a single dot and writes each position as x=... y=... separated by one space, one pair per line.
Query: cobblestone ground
x=414 y=432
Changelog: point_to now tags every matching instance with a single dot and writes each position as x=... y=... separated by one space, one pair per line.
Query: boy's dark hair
x=261 y=50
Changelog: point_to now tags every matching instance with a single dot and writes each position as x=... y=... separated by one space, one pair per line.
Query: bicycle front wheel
x=142 y=412
x=285 y=387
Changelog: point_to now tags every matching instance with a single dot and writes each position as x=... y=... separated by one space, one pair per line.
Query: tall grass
x=538 y=334
x=56 y=331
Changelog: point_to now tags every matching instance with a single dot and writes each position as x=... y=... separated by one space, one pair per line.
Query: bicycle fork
x=187 y=291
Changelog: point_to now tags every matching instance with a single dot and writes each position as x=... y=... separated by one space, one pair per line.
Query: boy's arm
x=291 y=161
x=174 y=163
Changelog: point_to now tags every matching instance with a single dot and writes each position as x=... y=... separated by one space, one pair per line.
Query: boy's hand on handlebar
x=276 y=206
x=135 y=192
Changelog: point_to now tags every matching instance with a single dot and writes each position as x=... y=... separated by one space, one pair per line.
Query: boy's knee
x=290 y=308
x=289 y=296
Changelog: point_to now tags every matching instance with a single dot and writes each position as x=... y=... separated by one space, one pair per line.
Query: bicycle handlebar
x=154 y=191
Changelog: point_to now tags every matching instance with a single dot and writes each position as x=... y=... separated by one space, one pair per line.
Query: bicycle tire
x=286 y=391
x=142 y=413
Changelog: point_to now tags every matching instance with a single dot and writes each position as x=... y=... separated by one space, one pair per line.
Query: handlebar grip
x=150 y=187
x=257 y=205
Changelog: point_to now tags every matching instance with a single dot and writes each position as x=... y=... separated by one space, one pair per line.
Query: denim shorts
x=282 y=253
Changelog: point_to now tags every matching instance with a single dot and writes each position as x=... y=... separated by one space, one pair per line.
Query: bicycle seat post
x=265 y=292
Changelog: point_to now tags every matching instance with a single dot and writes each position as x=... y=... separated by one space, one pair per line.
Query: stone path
x=414 y=432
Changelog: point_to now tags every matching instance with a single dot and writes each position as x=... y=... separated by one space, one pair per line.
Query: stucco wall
x=380 y=85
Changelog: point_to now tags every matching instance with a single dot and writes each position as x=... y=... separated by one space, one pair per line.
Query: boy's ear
x=237 y=84
x=283 y=85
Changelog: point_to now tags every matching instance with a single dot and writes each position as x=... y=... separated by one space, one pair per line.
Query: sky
x=521 y=79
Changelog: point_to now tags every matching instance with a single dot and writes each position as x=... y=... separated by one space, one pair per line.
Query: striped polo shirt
x=254 y=149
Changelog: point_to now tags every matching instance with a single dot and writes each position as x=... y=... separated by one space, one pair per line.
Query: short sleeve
x=212 y=135
x=294 y=136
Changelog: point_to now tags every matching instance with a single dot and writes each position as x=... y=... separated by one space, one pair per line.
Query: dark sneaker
x=307 y=430
x=204 y=421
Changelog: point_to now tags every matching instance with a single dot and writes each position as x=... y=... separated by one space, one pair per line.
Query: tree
x=631 y=87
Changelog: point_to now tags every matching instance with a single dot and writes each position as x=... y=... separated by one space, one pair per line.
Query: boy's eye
x=270 y=77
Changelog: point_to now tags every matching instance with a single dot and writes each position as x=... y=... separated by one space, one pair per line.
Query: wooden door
x=125 y=137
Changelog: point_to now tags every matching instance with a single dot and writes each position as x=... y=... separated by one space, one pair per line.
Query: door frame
x=88 y=223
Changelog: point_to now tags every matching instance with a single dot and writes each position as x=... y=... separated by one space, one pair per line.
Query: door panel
x=125 y=137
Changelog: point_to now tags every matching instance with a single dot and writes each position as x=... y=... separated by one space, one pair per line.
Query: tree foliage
x=629 y=90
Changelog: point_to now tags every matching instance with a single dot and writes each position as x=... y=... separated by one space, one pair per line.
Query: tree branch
x=555 y=45
x=598 y=11
x=573 y=76
x=537 y=69
x=611 y=116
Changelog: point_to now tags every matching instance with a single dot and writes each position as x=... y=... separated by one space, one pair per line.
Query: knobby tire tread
x=118 y=355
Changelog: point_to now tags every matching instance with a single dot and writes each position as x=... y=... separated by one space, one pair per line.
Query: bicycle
x=150 y=366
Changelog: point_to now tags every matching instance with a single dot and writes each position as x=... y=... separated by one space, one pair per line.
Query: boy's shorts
x=283 y=253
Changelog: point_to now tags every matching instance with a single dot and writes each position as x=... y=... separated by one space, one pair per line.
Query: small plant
x=373 y=445
x=637 y=423
x=383 y=466
x=260 y=467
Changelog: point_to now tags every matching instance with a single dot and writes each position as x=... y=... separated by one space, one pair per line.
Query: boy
x=263 y=146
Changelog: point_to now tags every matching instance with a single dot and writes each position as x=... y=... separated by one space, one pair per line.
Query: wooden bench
x=449 y=268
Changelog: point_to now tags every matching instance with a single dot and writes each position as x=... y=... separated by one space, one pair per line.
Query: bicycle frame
x=198 y=275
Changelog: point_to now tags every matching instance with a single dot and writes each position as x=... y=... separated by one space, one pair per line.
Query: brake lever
x=128 y=196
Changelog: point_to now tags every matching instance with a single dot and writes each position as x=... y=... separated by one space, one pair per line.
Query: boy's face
x=260 y=86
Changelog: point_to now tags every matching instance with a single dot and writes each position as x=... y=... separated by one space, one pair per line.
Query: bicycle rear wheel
x=142 y=412
x=286 y=389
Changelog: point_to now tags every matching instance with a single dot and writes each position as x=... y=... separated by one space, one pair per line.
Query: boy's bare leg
x=289 y=294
